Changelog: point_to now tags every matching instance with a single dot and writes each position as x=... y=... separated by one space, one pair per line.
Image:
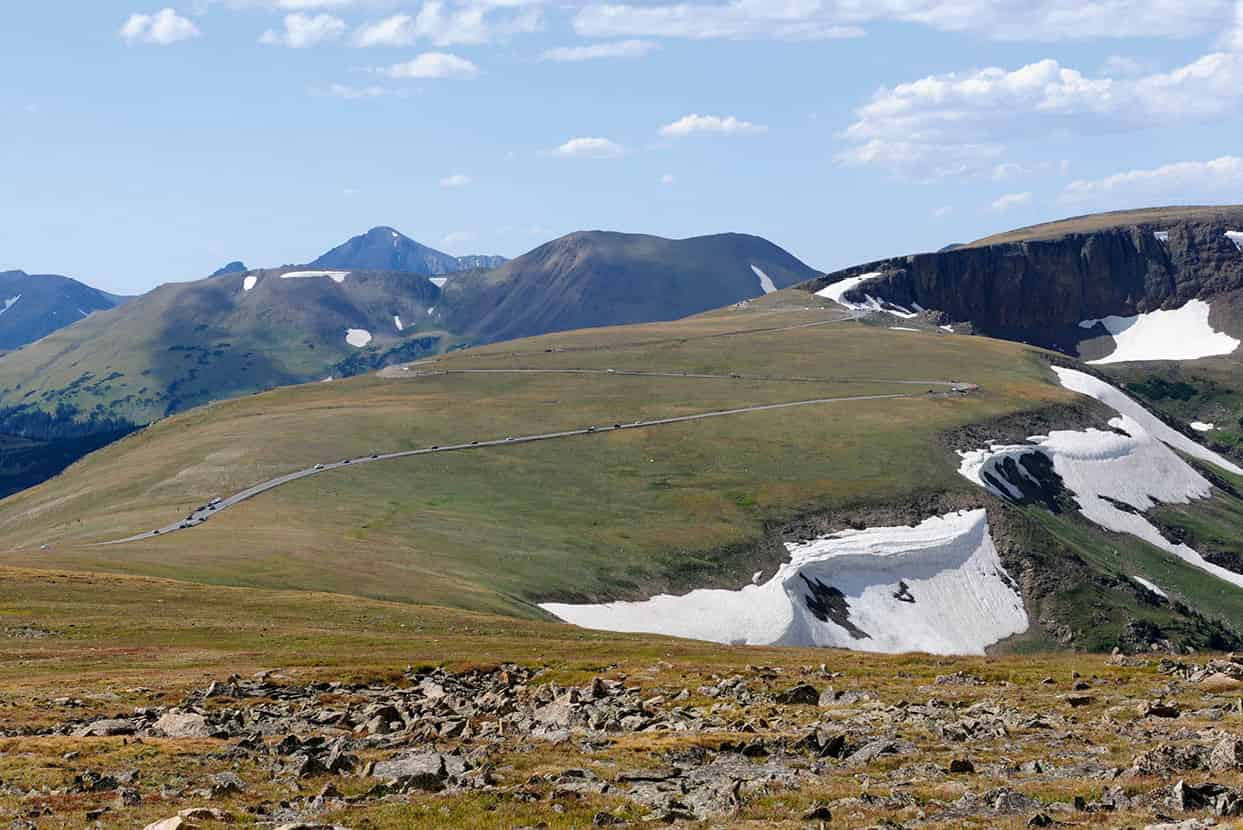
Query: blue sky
x=145 y=144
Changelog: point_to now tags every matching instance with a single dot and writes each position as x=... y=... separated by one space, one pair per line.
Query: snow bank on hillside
x=937 y=587
x=397 y=322
x=837 y=293
x=902 y=328
x=335 y=276
x=1200 y=426
x=1180 y=334
x=439 y=282
x=1114 y=476
x=357 y=337
x=9 y=303
x=1162 y=236
x=1118 y=401
x=249 y=283
x=766 y=284
x=1236 y=237
x=1151 y=587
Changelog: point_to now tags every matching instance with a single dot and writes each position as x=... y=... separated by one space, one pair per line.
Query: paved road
x=203 y=514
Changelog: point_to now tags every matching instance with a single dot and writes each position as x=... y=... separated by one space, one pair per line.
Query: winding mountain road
x=204 y=513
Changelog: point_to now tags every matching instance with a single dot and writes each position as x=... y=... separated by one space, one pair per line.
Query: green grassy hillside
x=601 y=515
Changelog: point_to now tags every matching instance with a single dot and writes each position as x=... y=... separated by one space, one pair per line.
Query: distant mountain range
x=35 y=305
x=599 y=278
x=359 y=307
x=385 y=249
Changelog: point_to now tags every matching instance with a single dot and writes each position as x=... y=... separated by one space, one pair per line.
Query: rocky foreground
x=1139 y=742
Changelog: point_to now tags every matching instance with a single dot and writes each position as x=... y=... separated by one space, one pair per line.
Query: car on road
x=345 y=461
x=319 y=466
x=591 y=429
x=435 y=446
x=155 y=532
x=374 y=457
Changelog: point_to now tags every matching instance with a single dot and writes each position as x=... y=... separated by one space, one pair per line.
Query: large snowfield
x=837 y=293
x=766 y=283
x=1114 y=474
x=938 y=587
x=358 y=338
x=1179 y=334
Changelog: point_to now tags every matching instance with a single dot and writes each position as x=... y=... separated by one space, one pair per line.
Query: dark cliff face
x=1040 y=290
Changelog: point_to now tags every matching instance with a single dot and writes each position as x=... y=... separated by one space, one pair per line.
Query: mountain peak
x=384 y=248
x=235 y=267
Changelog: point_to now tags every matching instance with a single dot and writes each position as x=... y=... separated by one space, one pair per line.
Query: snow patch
x=1162 y=236
x=902 y=328
x=335 y=276
x=950 y=329
x=1115 y=477
x=1180 y=334
x=1151 y=587
x=397 y=322
x=439 y=282
x=9 y=303
x=249 y=283
x=838 y=290
x=937 y=587
x=766 y=284
x=1200 y=426
x=357 y=337
x=1236 y=237
x=431 y=311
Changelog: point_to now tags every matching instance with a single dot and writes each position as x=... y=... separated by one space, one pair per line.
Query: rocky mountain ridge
x=1040 y=289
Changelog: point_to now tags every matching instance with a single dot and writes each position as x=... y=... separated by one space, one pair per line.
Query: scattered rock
x=803 y=694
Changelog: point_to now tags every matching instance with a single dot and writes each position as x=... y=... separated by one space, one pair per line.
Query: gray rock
x=106 y=727
x=177 y=724
x=416 y=770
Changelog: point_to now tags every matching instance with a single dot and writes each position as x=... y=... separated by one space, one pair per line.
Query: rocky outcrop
x=1039 y=290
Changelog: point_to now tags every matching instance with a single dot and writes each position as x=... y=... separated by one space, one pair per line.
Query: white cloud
x=1008 y=170
x=1233 y=38
x=352 y=93
x=667 y=179
x=303 y=30
x=914 y=127
x=474 y=23
x=596 y=51
x=695 y=124
x=942 y=212
x=1018 y=20
x=456 y=180
x=592 y=148
x=783 y=19
x=1184 y=182
x=1011 y=201
x=162 y=28
x=440 y=65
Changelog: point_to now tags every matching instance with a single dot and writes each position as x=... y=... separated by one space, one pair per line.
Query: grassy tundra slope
x=611 y=516
x=494 y=530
